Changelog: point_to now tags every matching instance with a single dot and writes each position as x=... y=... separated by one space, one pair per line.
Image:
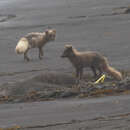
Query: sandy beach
x=86 y=24
x=102 y=114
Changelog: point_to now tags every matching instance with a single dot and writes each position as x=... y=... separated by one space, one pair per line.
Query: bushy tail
x=110 y=70
x=22 y=46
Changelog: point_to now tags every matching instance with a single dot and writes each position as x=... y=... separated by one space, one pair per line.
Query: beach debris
x=121 y=10
x=101 y=79
x=52 y=86
x=12 y=128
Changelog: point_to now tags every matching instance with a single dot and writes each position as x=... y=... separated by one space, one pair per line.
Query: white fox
x=35 y=40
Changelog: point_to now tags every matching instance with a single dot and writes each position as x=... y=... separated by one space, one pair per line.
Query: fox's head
x=50 y=34
x=68 y=51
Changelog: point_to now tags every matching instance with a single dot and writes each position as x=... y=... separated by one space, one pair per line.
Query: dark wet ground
x=88 y=25
x=108 y=113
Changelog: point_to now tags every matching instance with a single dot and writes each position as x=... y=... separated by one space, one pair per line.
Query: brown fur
x=37 y=40
x=94 y=60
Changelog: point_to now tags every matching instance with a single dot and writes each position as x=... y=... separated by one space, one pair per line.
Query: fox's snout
x=62 y=56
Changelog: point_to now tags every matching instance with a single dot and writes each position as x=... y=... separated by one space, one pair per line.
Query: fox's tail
x=110 y=70
x=22 y=46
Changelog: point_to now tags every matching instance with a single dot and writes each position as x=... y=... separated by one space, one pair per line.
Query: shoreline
x=53 y=86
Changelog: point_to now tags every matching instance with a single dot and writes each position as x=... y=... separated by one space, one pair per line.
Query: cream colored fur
x=35 y=40
x=22 y=46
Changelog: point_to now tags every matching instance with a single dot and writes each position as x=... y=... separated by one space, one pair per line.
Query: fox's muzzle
x=63 y=56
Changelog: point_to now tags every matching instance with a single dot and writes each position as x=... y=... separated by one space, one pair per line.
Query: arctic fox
x=35 y=40
x=91 y=59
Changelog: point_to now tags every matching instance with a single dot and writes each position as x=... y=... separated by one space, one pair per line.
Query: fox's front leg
x=77 y=76
x=79 y=73
x=40 y=53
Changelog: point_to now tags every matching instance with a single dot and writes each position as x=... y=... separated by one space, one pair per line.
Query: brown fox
x=91 y=59
x=35 y=40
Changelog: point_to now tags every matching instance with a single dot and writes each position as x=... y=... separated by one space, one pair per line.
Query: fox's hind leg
x=94 y=71
x=100 y=71
x=25 y=55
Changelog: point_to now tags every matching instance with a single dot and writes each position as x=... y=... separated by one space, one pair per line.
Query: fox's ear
x=68 y=46
x=54 y=30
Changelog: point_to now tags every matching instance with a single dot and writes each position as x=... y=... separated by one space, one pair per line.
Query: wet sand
x=102 y=114
x=88 y=25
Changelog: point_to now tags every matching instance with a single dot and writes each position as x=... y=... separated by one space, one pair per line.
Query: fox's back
x=90 y=58
x=35 y=38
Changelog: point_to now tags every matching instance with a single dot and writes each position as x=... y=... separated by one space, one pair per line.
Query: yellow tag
x=101 y=79
x=73 y=74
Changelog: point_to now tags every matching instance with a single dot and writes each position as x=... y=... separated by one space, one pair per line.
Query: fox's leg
x=40 y=53
x=81 y=73
x=77 y=73
x=94 y=71
x=25 y=55
x=100 y=71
